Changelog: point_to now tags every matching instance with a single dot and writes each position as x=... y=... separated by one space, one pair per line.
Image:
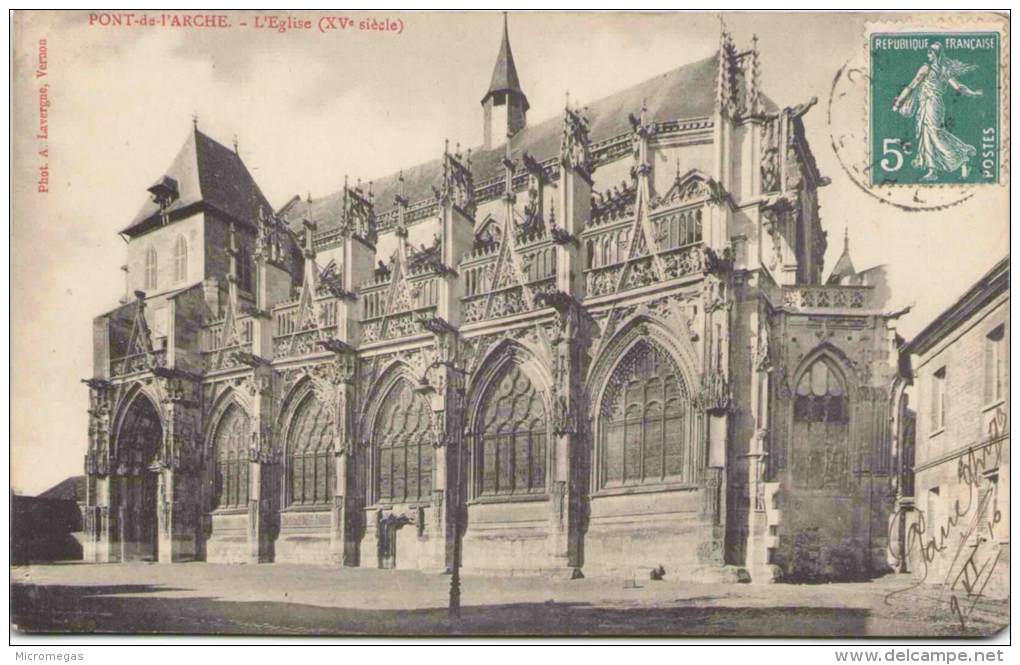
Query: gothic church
x=599 y=343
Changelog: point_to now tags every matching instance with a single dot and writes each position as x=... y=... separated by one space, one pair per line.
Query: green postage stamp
x=934 y=107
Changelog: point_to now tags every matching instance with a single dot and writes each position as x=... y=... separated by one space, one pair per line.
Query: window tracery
x=511 y=438
x=403 y=447
x=310 y=475
x=821 y=420
x=644 y=422
x=231 y=450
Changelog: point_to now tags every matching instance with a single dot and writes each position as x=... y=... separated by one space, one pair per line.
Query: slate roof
x=684 y=93
x=69 y=489
x=210 y=174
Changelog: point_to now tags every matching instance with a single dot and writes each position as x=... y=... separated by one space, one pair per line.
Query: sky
x=309 y=107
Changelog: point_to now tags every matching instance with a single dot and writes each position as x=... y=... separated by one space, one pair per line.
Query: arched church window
x=510 y=438
x=821 y=427
x=403 y=447
x=231 y=454
x=644 y=422
x=310 y=472
x=151 y=266
x=180 y=259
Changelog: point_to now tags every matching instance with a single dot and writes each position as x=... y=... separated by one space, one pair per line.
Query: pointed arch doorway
x=138 y=441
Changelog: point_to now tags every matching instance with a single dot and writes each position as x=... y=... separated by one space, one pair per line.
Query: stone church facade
x=599 y=344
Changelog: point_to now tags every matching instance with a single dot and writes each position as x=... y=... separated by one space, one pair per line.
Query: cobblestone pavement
x=282 y=599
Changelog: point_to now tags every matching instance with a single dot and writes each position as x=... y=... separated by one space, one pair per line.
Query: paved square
x=280 y=599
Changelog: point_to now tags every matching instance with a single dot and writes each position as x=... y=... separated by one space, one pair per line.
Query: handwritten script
x=965 y=537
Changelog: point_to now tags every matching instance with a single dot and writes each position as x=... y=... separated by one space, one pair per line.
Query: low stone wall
x=228 y=540
x=630 y=532
x=303 y=536
x=504 y=537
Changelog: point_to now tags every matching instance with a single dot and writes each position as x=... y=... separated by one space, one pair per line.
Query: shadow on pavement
x=120 y=609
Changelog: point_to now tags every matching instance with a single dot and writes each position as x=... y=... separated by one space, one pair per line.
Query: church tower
x=505 y=105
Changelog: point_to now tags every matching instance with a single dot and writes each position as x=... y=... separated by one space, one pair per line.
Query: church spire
x=504 y=74
x=844 y=266
x=504 y=91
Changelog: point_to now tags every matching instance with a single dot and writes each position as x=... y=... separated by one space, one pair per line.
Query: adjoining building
x=597 y=343
x=952 y=521
x=48 y=527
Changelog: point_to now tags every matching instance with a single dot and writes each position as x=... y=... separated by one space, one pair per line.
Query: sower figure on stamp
x=937 y=149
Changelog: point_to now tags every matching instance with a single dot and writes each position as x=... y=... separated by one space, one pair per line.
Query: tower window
x=180 y=259
x=151 y=264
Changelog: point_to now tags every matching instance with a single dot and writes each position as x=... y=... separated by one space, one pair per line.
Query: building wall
x=162 y=240
x=962 y=463
x=835 y=506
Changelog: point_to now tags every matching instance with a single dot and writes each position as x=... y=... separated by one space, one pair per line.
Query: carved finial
x=678 y=168
x=567 y=104
x=235 y=144
x=446 y=146
x=194 y=121
x=846 y=239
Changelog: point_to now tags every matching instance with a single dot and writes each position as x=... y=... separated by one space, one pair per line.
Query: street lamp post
x=455 y=493
x=454 y=611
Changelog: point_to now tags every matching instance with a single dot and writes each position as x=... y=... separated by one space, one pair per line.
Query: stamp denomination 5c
x=934 y=113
